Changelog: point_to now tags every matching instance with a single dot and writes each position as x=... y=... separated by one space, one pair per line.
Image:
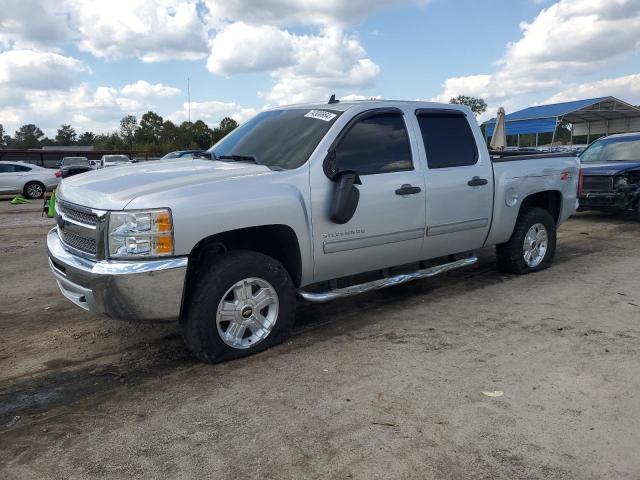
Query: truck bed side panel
x=515 y=180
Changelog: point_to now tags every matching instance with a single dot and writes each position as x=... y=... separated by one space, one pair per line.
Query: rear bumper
x=140 y=290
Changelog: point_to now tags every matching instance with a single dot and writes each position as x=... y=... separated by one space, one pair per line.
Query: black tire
x=34 y=190
x=198 y=323
x=510 y=257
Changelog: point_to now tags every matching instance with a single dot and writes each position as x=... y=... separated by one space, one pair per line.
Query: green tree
x=477 y=105
x=170 y=136
x=150 y=129
x=5 y=139
x=86 y=138
x=27 y=136
x=227 y=125
x=202 y=135
x=128 y=127
x=186 y=136
x=66 y=135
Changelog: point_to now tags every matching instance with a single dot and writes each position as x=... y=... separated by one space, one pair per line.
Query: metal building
x=593 y=118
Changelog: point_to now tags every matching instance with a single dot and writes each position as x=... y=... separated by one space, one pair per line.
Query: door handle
x=407 y=189
x=477 y=181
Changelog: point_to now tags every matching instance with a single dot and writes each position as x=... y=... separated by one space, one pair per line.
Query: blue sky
x=89 y=63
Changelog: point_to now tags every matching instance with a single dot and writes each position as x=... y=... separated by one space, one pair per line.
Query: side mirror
x=345 y=197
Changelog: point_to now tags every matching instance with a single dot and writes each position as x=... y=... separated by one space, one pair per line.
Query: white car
x=26 y=179
x=114 y=160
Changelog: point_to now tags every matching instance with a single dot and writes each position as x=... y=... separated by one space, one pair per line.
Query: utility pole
x=189 y=98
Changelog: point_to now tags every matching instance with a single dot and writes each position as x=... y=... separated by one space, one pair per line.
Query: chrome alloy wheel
x=34 y=190
x=247 y=313
x=535 y=245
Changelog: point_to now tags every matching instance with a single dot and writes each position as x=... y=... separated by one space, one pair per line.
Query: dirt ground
x=386 y=385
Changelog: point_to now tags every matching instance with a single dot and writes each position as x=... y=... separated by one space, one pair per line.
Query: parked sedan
x=26 y=179
x=611 y=174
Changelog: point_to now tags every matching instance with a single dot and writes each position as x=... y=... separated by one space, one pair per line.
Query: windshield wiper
x=239 y=158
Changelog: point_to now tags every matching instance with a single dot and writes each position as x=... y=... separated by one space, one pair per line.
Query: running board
x=322 y=297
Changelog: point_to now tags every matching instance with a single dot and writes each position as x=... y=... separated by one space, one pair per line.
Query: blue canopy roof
x=540 y=119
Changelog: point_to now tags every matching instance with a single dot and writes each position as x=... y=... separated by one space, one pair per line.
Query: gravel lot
x=386 y=385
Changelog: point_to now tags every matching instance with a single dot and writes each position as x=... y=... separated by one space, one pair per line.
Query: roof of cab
x=343 y=106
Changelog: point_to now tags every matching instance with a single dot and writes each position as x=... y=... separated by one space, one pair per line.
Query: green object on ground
x=19 y=200
x=52 y=205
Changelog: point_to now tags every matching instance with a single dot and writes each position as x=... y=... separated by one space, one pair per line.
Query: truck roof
x=343 y=106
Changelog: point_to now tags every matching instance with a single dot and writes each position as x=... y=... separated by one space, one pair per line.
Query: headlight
x=140 y=234
x=622 y=181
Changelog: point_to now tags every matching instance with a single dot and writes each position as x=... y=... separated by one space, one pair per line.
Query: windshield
x=279 y=139
x=619 y=149
x=116 y=158
x=72 y=161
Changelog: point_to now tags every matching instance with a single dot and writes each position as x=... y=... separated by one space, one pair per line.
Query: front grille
x=87 y=245
x=80 y=228
x=78 y=215
x=595 y=183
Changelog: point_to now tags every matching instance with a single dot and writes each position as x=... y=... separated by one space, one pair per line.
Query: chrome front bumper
x=129 y=290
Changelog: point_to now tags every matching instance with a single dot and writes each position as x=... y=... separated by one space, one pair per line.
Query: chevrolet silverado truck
x=318 y=201
x=611 y=174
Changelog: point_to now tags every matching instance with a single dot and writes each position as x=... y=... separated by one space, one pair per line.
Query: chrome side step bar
x=322 y=297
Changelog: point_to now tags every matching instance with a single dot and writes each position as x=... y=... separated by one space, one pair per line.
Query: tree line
x=151 y=133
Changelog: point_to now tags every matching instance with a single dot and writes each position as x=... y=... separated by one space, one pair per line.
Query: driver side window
x=375 y=144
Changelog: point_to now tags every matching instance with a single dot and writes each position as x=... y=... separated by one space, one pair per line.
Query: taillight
x=580 y=183
x=58 y=174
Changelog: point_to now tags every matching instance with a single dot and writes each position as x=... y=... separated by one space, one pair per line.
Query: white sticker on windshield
x=321 y=115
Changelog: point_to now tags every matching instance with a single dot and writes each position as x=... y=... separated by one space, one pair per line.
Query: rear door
x=459 y=183
x=387 y=228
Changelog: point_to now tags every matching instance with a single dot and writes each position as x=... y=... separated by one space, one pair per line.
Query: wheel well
x=550 y=200
x=277 y=241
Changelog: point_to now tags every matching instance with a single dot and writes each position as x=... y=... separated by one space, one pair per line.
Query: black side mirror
x=345 y=197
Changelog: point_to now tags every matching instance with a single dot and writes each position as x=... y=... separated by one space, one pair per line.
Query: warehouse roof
x=544 y=118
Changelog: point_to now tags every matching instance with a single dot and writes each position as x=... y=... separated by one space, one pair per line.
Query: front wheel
x=532 y=244
x=240 y=304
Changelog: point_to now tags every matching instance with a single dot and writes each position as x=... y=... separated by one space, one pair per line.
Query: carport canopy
x=602 y=115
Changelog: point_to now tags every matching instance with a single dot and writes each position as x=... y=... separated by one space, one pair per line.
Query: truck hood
x=115 y=187
x=608 y=168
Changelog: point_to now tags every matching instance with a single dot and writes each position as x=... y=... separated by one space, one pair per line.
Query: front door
x=388 y=226
x=10 y=178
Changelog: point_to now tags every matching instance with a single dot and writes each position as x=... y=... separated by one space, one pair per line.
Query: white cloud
x=144 y=89
x=29 y=69
x=563 y=42
x=353 y=96
x=32 y=23
x=87 y=108
x=297 y=12
x=211 y=112
x=152 y=30
x=625 y=88
x=324 y=64
x=240 y=48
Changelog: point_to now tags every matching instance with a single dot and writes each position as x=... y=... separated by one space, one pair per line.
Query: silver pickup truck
x=318 y=201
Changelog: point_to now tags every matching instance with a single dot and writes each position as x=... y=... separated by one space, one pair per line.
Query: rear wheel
x=532 y=244
x=243 y=303
x=34 y=190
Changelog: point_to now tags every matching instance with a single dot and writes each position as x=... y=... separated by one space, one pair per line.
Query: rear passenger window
x=376 y=144
x=448 y=140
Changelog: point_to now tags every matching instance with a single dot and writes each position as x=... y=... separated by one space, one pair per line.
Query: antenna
x=333 y=99
x=189 y=97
